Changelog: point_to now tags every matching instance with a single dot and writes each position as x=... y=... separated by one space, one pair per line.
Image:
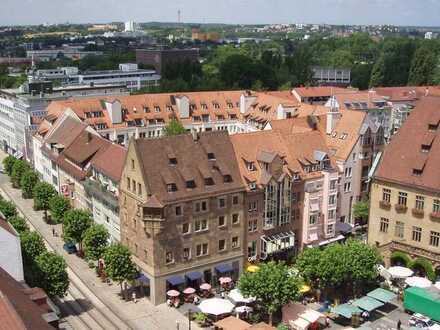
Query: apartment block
x=405 y=194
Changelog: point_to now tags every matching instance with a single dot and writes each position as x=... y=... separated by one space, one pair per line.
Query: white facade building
x=10 y=250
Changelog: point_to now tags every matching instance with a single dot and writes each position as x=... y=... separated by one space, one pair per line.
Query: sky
x=395 y=12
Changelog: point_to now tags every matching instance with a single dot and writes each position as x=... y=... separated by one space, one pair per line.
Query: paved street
x=97 y=304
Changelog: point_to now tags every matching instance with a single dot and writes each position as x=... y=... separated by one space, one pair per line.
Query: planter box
x=400 y=208
x=418 y=213
x=385 y=205
x=435 y=216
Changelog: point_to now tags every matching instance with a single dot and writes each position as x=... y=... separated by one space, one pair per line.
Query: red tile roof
x=111 y=162
x=404 y=153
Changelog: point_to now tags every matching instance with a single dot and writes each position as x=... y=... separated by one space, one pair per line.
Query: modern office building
x=160 y=58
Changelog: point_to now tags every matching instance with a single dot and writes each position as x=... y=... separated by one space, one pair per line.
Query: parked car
x=423 y=322
x=70 y=248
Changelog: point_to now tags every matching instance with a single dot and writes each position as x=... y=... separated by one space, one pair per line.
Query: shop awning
x=194 y=276
x=223 y=268
x=367 y=303
x=344 y=227
x=346 y=310
x=382 y=295
x=176 y=280
x=143 y=278
x=279 y=242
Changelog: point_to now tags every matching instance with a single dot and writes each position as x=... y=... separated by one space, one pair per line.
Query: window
x=354 y=156
x=200 y=225
x=333 y=184
x=296 y=197
x=235 y=243
x=169 y=258
x=436 y=206
x=402 y=198
x=386 y=195
x=172 y=161
x=211 y=156
x=331 y=214
x=201 y=206
x=185 y=228
x=202 y=249
x=128 y=184
x=347 y=187
x=235 y=200
x=209 y=181
x=171 y=187
x=222 y=202
x=132 y=164
x=252 y=225
x=186 y=253
x=139 y=189
x=434 y=239
x=332 y=199
x=251 y=166
x=227 y=178
x=222 y=245
x=221 y=221
x=134 y=186
x=252 y=249
x=400 y=229
x=178 y=210
x=420 y=202
x=190 y=184
x=252 y=186
x=252 y=206
x=330 y=229
x=313 y=219
x=235 y=218
x=417 y=234
x=384 y=224
x=348 y=172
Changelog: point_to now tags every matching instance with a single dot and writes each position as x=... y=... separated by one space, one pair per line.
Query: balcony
x=400 y=208
x=435 y=216
x=153 y=219
x=102 y=194
x=418 y=213
x=385 y=205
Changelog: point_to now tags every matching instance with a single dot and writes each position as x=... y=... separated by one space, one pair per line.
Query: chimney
x=182 y=103
x=114 y=110
x=332 y=115
x=246 y=100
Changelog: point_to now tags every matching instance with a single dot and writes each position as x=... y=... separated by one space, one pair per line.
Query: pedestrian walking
x=399 y=324
x=53 y=232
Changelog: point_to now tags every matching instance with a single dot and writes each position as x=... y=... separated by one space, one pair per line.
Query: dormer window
x=192 y=107
x=252 y=186
x=190 y=184
x=417 y=172
x=169 y=108
x=209 y=182
x=426 y=148
x=265 y=166
x=211 y=156
x=171 y=187
x=334 y=134
x=216 y=105
x=172 y=161
x=251 y=166
x=432 y=127
x=227 y=178
x=146 y=109
x=204 y=106
x=156 y=108
x=343 y=136
x=230 y=105
x=295 y=177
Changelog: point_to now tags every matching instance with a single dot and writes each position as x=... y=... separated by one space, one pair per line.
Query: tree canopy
x=43 y=192
x=8 y=164
x=95 y=241
x=52 y=273
x=18 y=169
x=118 y=264
x=174 y=127
x=272 y=286
x=32 y=245
x=75 y=224
x=27 y=183
x=361 y=209
x=19 y=224
x=58 y=206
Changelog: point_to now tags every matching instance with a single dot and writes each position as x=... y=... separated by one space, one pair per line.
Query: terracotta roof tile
x=111 y=161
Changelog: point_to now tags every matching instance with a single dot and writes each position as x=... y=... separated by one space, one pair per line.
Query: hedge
x=426 y=265
x=400 y=257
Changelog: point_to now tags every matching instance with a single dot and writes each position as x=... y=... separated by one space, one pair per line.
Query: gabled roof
x=192 y=165
x=110 y=162
x=404 y=153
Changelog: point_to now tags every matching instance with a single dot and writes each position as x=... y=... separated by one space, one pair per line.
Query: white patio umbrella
x=216 y=306
x=417 y=281
x=243 y=309
x=437 y=285
x=236 y=296
x=400 y=272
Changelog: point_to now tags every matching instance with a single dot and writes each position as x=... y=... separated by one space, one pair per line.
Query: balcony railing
x=400 y=208
x=435 y=216
x=102 y=194
x=418 y=213
x=385 y=205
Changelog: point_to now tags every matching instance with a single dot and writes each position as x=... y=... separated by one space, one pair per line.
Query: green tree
x=75 y=224
x=28 y=182
x=58 y=206
x=422 y=66
x=18 y=169
x=272 y=286
x=53 y=274
x=7 y=208
x=307 y=263
x=118 y=264
x=19 y=224
x=361 y=210
x=32 y=245
x=238 y=71
x=8 y=164
x=333 y=267
x=43 y=192
x=174 y=127
x=95 y=241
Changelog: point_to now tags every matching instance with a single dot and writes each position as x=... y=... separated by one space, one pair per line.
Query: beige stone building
x=405 y=194
x=181 y=210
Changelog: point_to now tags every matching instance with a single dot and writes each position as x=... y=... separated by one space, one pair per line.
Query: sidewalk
x=140 y=315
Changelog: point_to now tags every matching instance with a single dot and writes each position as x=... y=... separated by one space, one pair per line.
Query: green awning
x=367 y=303
x=382 y=295
x=346 y=310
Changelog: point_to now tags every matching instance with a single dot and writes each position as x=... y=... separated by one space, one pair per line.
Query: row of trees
x=78 y=225
x=42 y=268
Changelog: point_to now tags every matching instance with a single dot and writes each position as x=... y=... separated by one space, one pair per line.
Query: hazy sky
x=398 y=12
